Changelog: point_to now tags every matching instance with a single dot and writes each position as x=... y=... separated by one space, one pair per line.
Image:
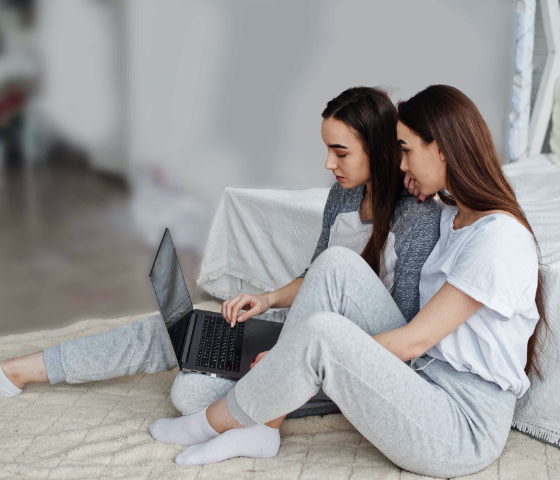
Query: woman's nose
x=404 y=164
x=330 y=164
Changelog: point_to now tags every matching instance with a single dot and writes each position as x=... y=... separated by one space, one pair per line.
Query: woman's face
x=346 y=156
x=423 y=162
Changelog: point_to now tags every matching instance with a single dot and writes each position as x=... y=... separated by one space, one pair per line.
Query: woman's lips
x=339 y=178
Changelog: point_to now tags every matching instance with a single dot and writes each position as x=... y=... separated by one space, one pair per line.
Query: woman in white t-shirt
x=435 y=395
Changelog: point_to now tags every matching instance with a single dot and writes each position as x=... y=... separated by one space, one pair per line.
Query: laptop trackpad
x=253 y=347
x=258 y=344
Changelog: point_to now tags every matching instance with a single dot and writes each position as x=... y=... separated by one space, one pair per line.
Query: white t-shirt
x=494 y=261
x=349 y=231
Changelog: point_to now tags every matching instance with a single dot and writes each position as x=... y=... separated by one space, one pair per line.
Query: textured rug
x=100 y=430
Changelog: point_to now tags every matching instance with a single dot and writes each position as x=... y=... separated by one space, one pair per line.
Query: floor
x=67 y=251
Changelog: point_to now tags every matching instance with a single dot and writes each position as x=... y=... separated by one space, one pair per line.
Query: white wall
x=230 y=92
x=207 y=93
x=79 y=50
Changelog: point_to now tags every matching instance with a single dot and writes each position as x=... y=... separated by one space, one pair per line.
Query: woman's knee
x=338 y=257
x=192 y=392
x=319 y=325
x=341 y=262
x=147 y=328
x=149 y=335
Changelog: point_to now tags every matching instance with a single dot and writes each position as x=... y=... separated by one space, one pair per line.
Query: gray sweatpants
x=143 y=346
x=429 y=419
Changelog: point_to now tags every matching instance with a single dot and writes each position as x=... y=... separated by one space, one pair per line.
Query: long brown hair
x=373 y=117
x=474 y=173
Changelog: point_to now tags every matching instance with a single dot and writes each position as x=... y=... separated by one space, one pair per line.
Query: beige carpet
x=100 y=430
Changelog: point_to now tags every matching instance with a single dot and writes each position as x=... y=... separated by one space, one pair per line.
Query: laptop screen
x=169 y=285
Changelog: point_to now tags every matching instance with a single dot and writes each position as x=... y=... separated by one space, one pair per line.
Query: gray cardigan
x=416 y=230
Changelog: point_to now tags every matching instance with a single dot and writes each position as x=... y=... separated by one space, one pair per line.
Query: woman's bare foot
x=23 y=370
x=7 y=388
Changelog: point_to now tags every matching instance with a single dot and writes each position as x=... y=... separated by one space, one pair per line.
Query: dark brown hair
x=474 y=173
x=373 y=117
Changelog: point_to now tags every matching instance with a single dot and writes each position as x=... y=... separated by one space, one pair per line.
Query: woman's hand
x=410 y=185
x=258 y=358
x=253 y=304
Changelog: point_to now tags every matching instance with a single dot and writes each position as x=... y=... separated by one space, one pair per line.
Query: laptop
x=202 y=340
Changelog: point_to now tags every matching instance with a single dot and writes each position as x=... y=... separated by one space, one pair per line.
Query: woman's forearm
x=284 y=297
x=445 y=312
x=400 y=344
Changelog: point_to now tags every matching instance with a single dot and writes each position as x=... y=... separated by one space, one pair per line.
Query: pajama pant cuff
x=53 y=365
x=236 y=410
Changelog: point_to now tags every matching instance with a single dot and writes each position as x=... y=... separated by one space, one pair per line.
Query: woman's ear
x=440 y=153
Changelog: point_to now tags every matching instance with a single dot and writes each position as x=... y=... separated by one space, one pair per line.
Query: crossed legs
x=437 y=421
x=338 y=281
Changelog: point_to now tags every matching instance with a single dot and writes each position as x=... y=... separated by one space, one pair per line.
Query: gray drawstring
x=413 y=363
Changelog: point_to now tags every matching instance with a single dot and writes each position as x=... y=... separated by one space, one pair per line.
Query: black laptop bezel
x=188 y=317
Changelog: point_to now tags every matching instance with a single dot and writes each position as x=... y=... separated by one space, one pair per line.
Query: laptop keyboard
x=220 y=345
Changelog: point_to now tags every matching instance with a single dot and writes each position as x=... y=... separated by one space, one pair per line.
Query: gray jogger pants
x=429 y=419
x=143 y=346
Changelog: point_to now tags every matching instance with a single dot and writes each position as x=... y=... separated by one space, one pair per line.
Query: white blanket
x=536 y=182
x=261 y=238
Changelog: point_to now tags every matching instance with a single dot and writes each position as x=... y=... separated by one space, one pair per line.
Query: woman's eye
x=404 y=150
x=341 y=155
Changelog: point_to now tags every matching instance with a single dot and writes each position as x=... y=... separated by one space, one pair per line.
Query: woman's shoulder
x=408 y=209
x=418 y=222
x=500 y=235
x=497 y=223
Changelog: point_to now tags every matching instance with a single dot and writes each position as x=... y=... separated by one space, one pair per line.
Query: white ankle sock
x=186 y=430
x=7 y=388
x=258 y=441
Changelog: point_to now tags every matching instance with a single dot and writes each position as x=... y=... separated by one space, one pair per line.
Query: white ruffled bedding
x=536 y=182
x=260 y=239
